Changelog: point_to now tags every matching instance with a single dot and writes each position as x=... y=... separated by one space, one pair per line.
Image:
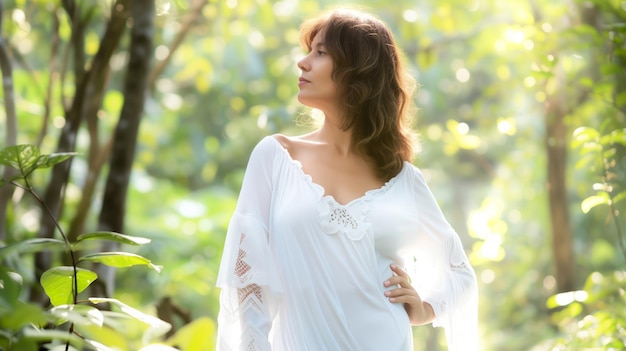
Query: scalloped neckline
x=321 y=191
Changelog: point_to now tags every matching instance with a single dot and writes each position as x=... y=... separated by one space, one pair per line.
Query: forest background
x=522 y=120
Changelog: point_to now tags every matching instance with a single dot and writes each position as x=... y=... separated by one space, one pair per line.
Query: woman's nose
x=303 y=64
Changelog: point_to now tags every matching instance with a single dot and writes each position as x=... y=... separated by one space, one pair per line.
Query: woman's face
x=317 y=88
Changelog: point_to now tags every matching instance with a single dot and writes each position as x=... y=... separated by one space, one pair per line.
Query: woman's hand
x=419 y=312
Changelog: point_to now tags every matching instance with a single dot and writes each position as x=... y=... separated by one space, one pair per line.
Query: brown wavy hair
x=375 y=89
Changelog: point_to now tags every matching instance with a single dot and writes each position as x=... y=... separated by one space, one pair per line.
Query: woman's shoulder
x=277 y=144
x=413 y=172
x=293 y=144
x=282 y=139
x=288 y=141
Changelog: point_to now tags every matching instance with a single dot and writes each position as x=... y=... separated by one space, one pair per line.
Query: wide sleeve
x=247 y=276
x=442 y=273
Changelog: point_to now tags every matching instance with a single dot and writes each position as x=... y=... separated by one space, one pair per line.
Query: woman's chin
x=304 y=101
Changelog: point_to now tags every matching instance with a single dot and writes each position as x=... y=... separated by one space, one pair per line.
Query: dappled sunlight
x=506 y=126
x=486 y=225
x=514 y=35
x=487 y=276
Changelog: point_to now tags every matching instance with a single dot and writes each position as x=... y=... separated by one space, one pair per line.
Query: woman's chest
x=387 y=218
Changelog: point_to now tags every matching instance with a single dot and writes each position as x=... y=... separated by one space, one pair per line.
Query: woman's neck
x=332 y=133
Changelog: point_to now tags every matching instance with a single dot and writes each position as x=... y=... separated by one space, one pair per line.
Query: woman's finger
x=400 y=278
x=399 y=271
x=400 y=292
x=397 y=280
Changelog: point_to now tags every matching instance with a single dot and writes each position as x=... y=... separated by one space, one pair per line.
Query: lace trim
x=242 y=268
x=320 y=190
x=250 y=344
x=459 y=267
x=458 y=261
x=252 y=289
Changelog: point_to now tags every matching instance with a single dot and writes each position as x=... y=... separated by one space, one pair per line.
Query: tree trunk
x=125 y=139
x=11 y=125
x=90 y=82
x=556 y=152
x=557 y=107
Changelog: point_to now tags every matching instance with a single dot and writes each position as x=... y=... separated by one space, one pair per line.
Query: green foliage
x=61 y=284
x=28 y=158
x=26 y=324
x=198 y=335
x=30 y=246
x=598 y=152
x=593 y=318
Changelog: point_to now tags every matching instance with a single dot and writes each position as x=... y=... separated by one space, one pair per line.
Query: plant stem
x=30 y=190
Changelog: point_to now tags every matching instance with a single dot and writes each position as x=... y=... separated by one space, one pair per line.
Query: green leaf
x=586 y=161
x=57 y=282
x=584 y=135
x=615 y=137
x=619 y=197
x=78 y=314
x=98 y=346
x=572 y=310
x=9 y=180
x=590 y=147
x=114 y=331
x=46 y=161
x=28 y=157
x=196 y=336
x=112 y=236
x=566 y=298
x=19 y=156
x=158 y=327
x=32 y=245
x=58 y=335
x=21 y=315
x=119 y=259
x=10 y=288
x=608 y=154
x=17 y=343
x=593 y=201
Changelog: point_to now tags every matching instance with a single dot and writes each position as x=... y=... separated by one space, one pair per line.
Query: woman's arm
x=444 y=276
x=247 y=274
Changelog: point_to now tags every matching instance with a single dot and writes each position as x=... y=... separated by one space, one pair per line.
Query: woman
x=326 y=222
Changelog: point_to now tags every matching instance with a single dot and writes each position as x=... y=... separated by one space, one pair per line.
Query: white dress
x=301 y=271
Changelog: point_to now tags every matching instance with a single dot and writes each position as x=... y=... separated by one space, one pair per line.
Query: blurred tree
x=113 y=211
x=91 y=83
x=11 y=121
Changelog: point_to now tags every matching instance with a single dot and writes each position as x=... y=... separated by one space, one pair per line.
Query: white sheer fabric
x=301 y=271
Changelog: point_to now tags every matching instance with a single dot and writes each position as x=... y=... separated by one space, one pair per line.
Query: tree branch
x=159 y=67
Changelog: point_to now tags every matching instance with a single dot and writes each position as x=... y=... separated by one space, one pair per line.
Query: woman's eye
x=320 y=53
